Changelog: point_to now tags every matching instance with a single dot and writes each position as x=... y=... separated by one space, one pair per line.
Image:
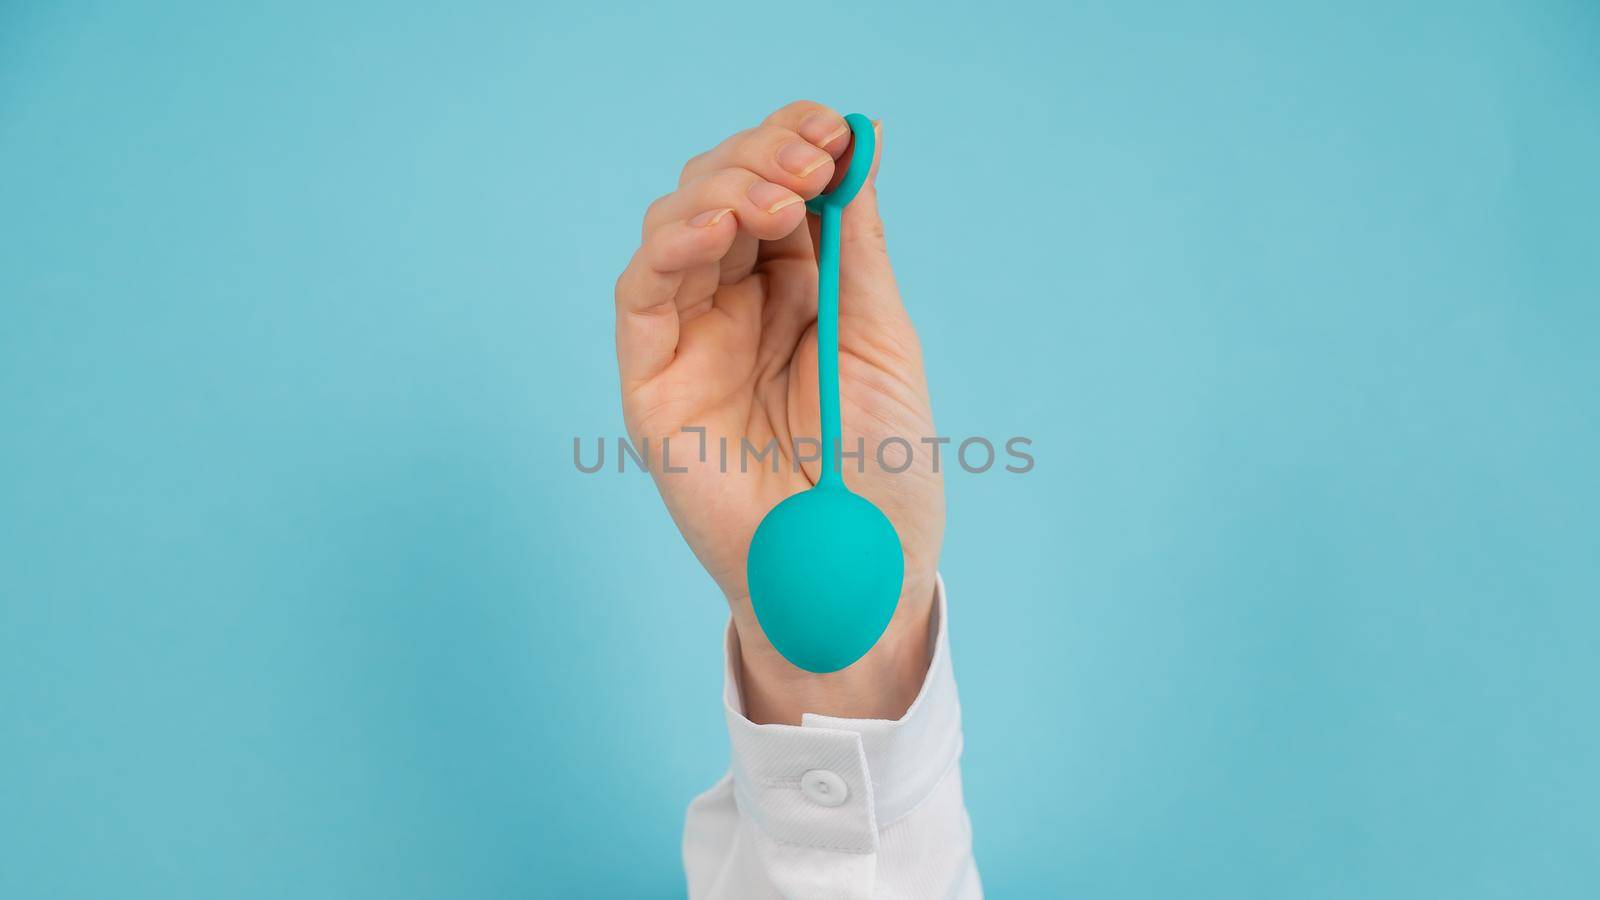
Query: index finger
x=816 y=123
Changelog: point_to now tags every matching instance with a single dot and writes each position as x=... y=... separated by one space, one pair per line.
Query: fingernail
x=823 y=129
x=771 y=197
x=709 y=218
x=802 y=159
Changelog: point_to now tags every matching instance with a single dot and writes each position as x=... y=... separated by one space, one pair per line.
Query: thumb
x=866 y=279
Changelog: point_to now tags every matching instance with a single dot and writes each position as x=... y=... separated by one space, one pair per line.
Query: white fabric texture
x=774 y=826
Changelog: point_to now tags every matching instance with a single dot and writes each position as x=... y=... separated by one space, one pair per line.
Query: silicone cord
x=831 y=207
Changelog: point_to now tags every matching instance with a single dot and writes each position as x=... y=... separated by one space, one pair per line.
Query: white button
x=824 y=788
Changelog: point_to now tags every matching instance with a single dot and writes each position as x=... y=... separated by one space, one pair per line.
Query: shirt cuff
x=787 y=778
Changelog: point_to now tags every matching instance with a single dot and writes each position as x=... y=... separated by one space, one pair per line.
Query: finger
x=816 y=123
x=866 y=278
x=779 y=155
x=675 y=268
x=764 y=210
x=813 y=122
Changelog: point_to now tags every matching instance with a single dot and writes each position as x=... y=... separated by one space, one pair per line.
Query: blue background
x=302 y=305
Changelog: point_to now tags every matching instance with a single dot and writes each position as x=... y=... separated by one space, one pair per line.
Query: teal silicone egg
x=825 y=565
x=825 y=569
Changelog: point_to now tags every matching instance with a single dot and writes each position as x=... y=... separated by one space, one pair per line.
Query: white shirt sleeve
x=838 y=809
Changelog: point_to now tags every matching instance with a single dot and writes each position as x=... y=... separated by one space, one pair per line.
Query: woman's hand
x=716 y=329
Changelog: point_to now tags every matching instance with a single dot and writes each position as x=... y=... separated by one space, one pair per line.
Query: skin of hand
x=716 y=329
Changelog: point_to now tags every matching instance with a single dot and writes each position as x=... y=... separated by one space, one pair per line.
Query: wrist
x=882 y=684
